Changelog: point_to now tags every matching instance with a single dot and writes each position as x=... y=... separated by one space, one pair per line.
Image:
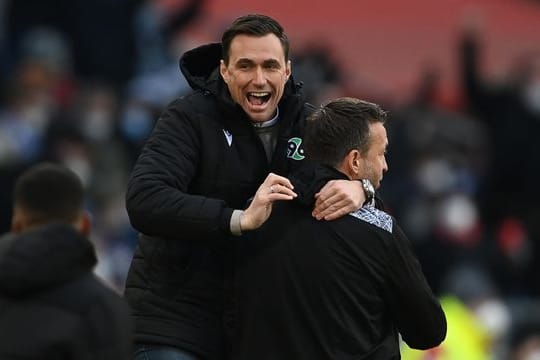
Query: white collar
x=267 y=123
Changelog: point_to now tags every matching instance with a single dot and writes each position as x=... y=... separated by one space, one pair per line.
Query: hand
x=338 y=198
x=273 y=188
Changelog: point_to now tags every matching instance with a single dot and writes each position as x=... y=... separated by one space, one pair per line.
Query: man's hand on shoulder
x=338 y=198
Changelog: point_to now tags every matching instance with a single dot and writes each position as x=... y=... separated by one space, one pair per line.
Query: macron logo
x=228 y=137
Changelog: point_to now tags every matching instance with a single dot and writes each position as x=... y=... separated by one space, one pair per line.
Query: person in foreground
x=339 y=289
x=208 y=153
x=52 y=306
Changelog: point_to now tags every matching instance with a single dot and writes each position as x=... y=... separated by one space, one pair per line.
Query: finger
x=322 y=203
x=280 y=196
x=341 y=211
x=333 y=208
x=282 y=189
x=274 y=179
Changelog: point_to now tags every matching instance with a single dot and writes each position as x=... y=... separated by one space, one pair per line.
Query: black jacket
x=338 y=289
x=51 y=304
x=202 y=160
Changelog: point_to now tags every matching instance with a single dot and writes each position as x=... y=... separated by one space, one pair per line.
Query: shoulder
x=193 y=103
x=376 y=217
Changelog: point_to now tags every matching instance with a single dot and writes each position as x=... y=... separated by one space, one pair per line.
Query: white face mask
x=494 y=317
x=80 y=166
x=534 y=355
x=37 y=115
x=98 y=125
x=531 y=96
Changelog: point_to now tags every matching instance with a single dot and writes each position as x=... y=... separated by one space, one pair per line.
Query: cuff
x=236 y=228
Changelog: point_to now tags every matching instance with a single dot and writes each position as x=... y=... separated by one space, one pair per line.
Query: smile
x=258 y=98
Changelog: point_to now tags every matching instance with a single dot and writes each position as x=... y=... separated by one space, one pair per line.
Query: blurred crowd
x=462 y=181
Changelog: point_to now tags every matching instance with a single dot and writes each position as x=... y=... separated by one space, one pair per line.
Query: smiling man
x=208 y=153
x=255 y=71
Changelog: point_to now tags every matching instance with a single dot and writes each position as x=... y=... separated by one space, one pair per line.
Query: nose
x=259 y=77
x=385 y=165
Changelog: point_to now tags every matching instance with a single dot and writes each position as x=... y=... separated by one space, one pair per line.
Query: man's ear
x=17 y=221
x=223 y=71
x=356 y=162
x=351 y=164
x=84 y=224
x=288 y=69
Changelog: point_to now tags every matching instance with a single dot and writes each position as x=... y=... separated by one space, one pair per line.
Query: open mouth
x=258 y=98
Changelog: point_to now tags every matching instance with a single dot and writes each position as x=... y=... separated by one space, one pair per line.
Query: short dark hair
x=338 y=127
x=49 y=192
x=254 y=25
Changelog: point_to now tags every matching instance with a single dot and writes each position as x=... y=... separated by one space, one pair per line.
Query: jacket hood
x=310 y=178
x=43 y=258
x=200 y=67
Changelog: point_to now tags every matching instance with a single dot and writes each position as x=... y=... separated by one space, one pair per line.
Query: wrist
x=236 y=222
x=369 y=192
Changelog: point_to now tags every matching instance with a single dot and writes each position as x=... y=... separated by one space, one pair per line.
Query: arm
x=157 y=199
x=338 y=198
x=415 y=310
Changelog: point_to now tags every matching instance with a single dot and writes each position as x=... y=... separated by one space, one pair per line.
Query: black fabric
x=181 y=196
x=51 y=304
x=340 y=289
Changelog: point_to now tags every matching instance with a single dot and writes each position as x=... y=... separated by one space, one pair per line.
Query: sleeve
x=157 y=198
x=416 y=311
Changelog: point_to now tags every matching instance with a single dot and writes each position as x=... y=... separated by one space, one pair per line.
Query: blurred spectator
x=52 y=304
x=511 y=112
x=319 y=72
x=99 y=33
x=440 y=160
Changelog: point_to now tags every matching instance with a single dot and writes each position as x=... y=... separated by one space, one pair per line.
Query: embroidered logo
x=374 y=216
x=293 y=149
x=228 y=137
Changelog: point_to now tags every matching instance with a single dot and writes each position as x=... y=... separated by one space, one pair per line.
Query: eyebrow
x=268 y=62
x=272 y=62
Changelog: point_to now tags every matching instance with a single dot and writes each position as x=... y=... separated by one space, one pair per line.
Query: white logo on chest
x=228 y=137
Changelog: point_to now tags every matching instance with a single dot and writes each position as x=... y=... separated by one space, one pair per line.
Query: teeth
x=259 y=94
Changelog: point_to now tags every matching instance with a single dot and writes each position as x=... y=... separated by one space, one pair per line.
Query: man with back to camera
x=52 y=306
x=339 y=289
x=207 y=155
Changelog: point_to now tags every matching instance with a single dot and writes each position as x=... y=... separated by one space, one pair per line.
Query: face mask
x=532 y=97
x=494 y=317
x=80 y=166
x=98 y=125
x=37 y=115
x=136 y=123
x=534 y=355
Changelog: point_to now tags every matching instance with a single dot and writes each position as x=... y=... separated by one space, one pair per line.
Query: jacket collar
x=43 y=258
x=309 y=178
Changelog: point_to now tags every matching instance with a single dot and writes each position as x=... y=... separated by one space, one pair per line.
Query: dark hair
x=49 y=192
x=338 y=127
x=254 y=25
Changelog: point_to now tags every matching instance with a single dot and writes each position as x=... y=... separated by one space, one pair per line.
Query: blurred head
x=48 y=193
x=349 y=134
x=255 y=64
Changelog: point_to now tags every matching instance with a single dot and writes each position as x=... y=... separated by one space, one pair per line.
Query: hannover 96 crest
x=293 y=149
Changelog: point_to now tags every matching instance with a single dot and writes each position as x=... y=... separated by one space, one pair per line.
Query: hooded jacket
x=339 y=289
x=51 y=304
x=202 y=160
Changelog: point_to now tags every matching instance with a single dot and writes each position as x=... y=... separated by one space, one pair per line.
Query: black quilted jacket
x=202 y=160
